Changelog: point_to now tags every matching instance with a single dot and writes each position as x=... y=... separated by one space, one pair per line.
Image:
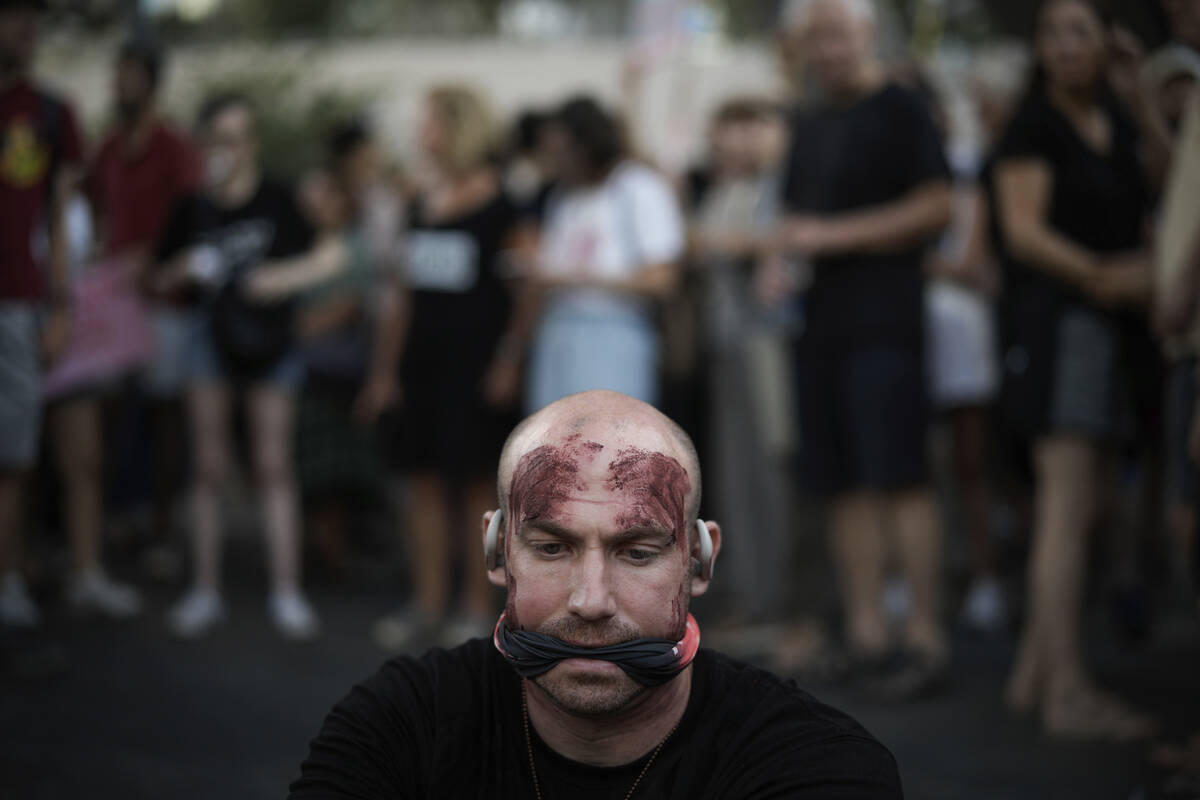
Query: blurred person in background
x=1174 y=71
x=336 y=460
x=340 y=330
x=143 y=167
x=1072 y=198
x=462 y=345
x=527 y=177
x=611 y=242
x=40 y=156
x=866 y=187
x=214 y=242
x=736 y=350
x=964 y=375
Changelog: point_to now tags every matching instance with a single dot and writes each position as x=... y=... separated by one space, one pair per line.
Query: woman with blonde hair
x=458 y=366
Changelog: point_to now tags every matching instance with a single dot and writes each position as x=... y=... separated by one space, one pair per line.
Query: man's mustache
x=588 y=634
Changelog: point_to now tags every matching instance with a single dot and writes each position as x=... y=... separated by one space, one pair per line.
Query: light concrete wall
x=678 y=92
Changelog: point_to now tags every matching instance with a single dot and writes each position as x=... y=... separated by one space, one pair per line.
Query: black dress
x=1067 y=361
x=460 y=309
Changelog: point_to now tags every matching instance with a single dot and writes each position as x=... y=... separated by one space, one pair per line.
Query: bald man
x=593 y=683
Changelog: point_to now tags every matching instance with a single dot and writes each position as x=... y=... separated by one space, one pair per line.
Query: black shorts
x=1183 y=474
x=864 y=414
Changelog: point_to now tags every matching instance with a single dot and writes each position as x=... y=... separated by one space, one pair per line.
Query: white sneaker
x=17 y=609
x=897 y=600
x=196 y=614
x=293 y=616
x=92 y=591
x=402 y=629
x=985 y=608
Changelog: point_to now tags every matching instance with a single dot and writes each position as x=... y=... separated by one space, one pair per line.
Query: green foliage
x=295 y=119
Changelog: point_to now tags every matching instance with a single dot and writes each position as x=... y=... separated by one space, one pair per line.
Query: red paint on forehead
x=547 y=475
x=656 y=489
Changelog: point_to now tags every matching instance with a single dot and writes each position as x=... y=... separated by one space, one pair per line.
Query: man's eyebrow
x=547 y=526
x=637 y=533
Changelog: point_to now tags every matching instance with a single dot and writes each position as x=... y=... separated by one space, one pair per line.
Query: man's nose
x=591 y=595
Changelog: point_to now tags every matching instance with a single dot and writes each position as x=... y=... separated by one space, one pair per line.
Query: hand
x=1124 y=280
x=56 y=335
x=1175 y=312
x=502 y=381
x=773 y=284
x=805 y=235
x=267 y=285
x=378 y=394
x=1125 y=65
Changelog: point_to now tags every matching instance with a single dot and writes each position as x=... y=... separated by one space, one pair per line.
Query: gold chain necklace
x=537 y=786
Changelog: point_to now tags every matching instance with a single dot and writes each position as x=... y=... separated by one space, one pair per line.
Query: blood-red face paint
x=655 y=489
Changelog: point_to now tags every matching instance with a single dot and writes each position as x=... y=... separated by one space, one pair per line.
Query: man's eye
x=640 y=554
x=550 y=548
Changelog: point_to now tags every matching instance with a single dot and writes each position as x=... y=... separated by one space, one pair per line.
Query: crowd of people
x=836 y=278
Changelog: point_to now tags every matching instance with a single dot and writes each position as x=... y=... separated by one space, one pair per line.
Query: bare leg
x=208 y=408
x=918 y=529
x=970 y=466
x=1066 y=470
x=478 y=599
x=327 y=523
x=168 y=449
x=12 y=498
x=429 y=527
x=1181 y=521
x=859 y=550
x=271 y=413
x=1050 y=667
x=79 y=448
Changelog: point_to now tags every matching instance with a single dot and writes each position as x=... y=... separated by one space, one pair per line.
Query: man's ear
x=699 y=583
x=496 y=575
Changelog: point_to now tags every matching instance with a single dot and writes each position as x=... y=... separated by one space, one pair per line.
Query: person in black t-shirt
x=214 y=248
x=865 y=188
x=593 y=684
x=464 y=333
x=1071 y=200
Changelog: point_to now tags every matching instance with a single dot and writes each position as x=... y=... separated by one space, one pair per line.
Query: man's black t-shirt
x=449 y=724
x=852 y=158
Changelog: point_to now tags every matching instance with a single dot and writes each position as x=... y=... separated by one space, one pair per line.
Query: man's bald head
x=607 y=418
x=796 y=14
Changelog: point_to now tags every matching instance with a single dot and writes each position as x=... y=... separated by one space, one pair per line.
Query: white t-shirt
x=625 y=224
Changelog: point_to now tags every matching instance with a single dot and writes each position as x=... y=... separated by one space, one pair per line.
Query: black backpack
x=250 y=336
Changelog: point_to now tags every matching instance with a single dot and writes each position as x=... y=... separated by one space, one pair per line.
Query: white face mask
x=218 y=167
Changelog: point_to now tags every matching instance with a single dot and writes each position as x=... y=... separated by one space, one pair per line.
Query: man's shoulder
x=767 y=725
x=438 y=675
x=746 y=689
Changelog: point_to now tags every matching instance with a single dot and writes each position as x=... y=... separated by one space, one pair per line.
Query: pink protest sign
x=110 y=332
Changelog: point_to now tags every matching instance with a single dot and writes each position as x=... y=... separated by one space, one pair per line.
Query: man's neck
x=1073 y=102
x=611 y=741
x=239 y=189
x=869 y=78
